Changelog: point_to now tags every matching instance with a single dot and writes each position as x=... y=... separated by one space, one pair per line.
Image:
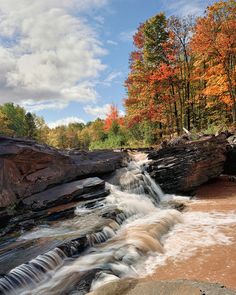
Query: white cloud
x=111 y=42
x=185 y=7
x=54 y=56
x=98 y=111
x=99 y=19
x=112 y=78
x=127 y=36
x=65 y=122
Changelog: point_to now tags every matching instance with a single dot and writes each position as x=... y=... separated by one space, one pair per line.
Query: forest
x=182 y=75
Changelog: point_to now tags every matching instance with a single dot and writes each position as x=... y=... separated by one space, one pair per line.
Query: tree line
x=182 y=75
x=108 y=133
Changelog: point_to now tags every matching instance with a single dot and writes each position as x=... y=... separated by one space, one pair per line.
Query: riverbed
x=136 y=232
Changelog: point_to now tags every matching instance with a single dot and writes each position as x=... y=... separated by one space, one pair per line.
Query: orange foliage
x=113 y=116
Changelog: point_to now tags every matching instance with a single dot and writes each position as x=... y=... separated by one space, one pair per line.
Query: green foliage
x=16 y=118
x=4 y=125
x=112 y=142
x=155 y=35
x=30 y=126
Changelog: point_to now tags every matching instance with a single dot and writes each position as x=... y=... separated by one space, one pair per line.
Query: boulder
x=182 y=168
x=65 y=193
x=28 y=168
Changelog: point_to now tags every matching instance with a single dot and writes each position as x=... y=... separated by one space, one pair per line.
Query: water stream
x=124 y=247
x=116 y=251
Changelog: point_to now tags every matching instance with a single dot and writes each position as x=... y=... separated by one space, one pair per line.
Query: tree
x=16 y=118
x=152 y=77
x=214 y=44
x=4 y=125
x=31 y=129
x=42 y=134
x=155 y=36
x=181 y=28
x=113 y=120
x=97 y=132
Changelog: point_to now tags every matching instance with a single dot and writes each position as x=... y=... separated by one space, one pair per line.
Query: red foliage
x=113 y=116
x=139 y=37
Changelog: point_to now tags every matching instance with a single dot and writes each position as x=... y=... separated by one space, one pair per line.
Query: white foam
x=198 y=230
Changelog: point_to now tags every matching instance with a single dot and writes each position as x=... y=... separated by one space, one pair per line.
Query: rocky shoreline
x=41 y=185
x=35 y=178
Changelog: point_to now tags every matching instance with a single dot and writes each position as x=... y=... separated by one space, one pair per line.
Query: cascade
x=115 y=252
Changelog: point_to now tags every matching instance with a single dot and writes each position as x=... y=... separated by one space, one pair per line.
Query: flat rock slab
x=65 y=193
x=180 y=287
x=28 y=168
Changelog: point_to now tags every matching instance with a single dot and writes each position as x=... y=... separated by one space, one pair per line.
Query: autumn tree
x=214 y=44
x=113 y=121
x=152 y=77
x=181 y=30
x=5 y=125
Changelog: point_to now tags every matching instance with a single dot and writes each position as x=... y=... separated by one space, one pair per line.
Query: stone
x=65 y=193
x=182 y=168
x=28 y=168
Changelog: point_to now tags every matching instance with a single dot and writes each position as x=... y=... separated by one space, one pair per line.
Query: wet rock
x=174 y=204
x=27 y=168
x=83 y=286
x=182 y=168
x=75 y=246
x=65 y=193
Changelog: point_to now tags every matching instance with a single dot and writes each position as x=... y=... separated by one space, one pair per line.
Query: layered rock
x=65 y=193
x=27 y=168
x=182 y=168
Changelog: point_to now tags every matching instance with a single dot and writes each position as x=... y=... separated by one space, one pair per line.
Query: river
x=146 y=237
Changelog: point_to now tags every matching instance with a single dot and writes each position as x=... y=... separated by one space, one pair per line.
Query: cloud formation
x=49 y=55
x=113 y=77
x=184 y=7
x=111 y=42
x=98 y=111
x=65 y=122
x=127 y=36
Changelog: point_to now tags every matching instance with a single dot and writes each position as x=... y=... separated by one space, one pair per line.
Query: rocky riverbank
x=34 y=178
x=38 y=182
x=71 y=215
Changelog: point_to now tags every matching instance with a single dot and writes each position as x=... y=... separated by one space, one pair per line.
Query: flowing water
x=132 y=243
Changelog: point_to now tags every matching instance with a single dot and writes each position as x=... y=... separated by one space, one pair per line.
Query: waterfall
x=117 y=251
x=28 y=275
x=154 y=186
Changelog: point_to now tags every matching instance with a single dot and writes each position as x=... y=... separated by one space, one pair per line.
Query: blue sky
x=67 y=60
